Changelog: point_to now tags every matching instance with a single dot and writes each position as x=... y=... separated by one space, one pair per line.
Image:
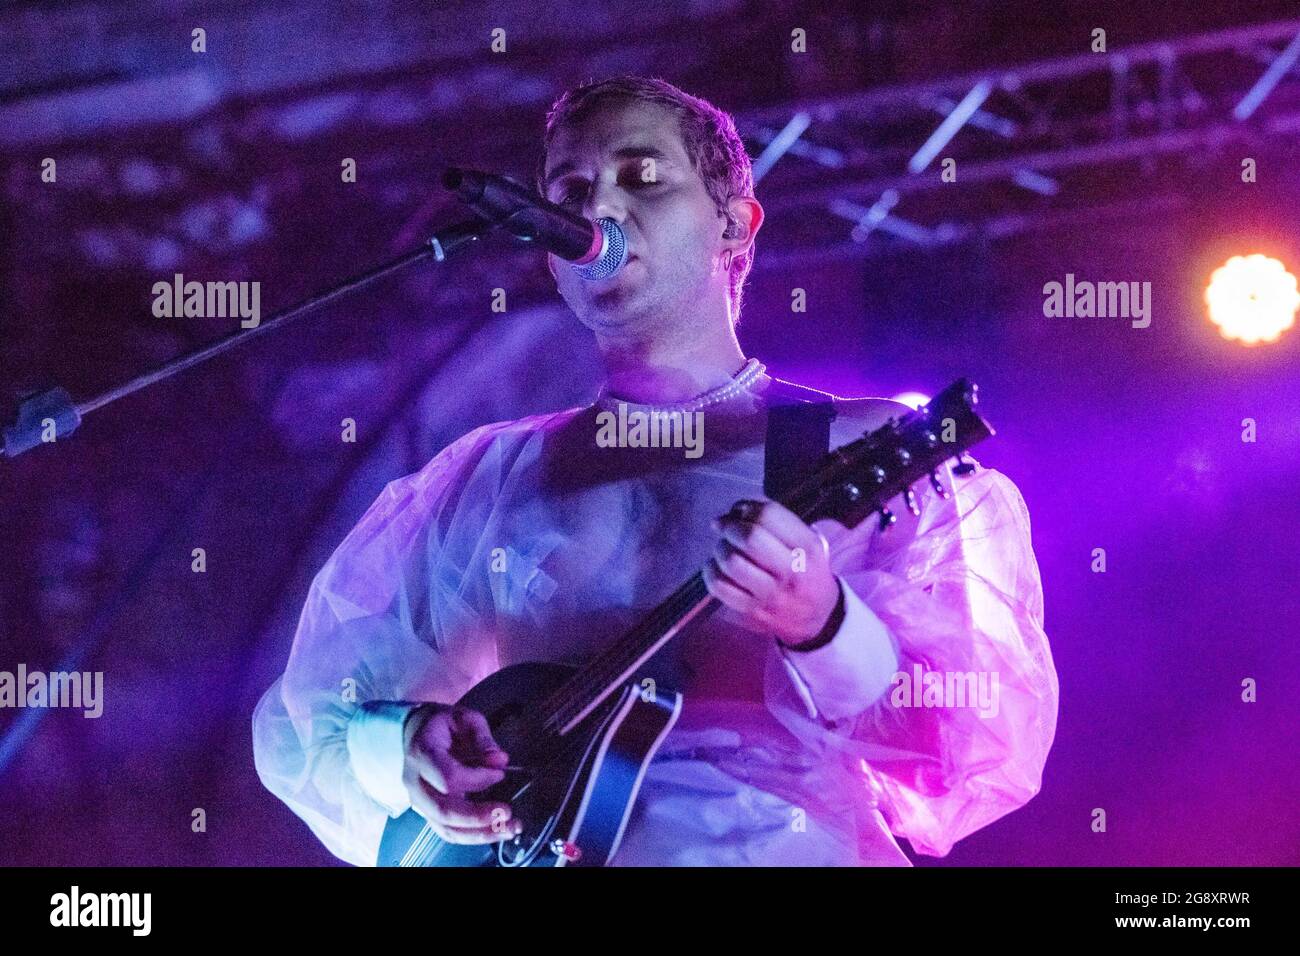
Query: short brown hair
x=708 y=133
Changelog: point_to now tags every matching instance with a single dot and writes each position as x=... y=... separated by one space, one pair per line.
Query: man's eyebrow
x=623 y=152
x=642 y=152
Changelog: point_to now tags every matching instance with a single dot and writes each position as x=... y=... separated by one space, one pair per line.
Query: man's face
x=626 y=161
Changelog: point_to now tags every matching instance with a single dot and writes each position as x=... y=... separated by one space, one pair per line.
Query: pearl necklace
x=746 y=377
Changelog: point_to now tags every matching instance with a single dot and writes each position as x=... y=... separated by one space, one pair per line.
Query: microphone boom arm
x=53 y=408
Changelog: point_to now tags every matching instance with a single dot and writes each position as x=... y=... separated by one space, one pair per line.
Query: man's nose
x=605 y=201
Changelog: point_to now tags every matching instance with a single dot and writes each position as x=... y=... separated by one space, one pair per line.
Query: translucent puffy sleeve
x=960 y=737
x=385 y=620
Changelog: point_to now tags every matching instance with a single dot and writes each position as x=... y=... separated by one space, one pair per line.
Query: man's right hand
x=450 y=753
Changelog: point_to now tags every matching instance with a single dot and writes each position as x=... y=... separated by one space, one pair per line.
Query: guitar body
x=573 y=794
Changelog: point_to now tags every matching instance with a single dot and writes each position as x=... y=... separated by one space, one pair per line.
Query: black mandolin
x=581 y=738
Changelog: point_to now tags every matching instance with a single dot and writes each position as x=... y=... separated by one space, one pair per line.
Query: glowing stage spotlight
x=912 y=400
x=1252 y=299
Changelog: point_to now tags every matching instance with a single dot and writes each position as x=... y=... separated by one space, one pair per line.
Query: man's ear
x=744 y=219
x=550 y=266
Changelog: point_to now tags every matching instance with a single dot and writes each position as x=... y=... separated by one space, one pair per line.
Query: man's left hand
x=772 y=571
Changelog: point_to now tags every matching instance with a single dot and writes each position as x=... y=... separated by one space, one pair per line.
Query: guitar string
x=576 y=694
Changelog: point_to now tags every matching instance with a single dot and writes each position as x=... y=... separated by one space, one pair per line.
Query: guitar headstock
x=858 y=479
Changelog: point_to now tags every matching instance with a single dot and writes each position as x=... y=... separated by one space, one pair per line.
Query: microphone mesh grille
x=612 y=255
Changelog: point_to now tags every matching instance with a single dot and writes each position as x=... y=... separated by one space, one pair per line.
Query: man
x=801 y=740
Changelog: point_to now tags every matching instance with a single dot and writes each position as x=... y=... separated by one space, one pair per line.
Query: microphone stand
x=54 y=406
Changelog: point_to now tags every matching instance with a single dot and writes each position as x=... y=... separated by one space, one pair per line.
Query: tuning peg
x=909 y=498
x=887 y=518
x=963 y=467
x=940 y=490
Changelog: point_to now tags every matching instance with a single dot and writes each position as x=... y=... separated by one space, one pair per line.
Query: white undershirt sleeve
x=377 y=752
x=852 y=672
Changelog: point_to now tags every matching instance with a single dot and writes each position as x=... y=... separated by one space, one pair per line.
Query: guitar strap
x=798 y=434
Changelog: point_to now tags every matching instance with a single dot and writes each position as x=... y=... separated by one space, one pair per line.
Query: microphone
x=596 y=249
